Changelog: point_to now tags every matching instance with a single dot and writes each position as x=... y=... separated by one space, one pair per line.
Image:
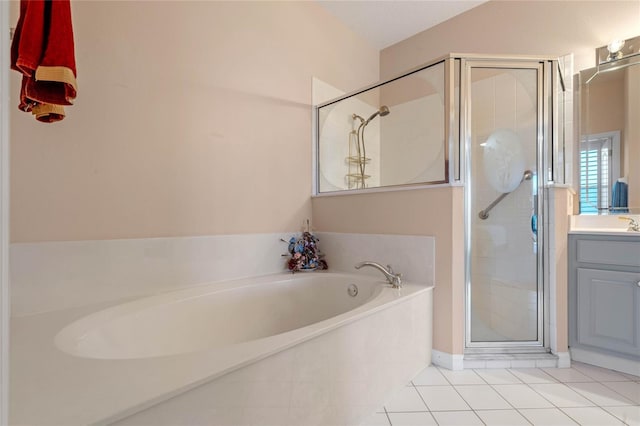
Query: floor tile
x=482 y=397
x=377 y=419
x=567 y=375
x=630 y=390
x=629 y=414
x=600 y=394
x=561 y=395
x=457 y=418
x=462 y=377
x=582 y=395
x=442 y=398
x=430 y=376
x=522 y=396
x=406 y=399
x=533 y=375
x=591 y=416
x=547 y=417
x=412 y=419
x=599 y=374
x=498 y=376
x=502 y=418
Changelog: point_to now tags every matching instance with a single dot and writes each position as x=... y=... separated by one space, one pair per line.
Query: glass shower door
x=504 y=279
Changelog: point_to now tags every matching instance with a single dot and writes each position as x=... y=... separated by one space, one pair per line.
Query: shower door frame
x=544 y=173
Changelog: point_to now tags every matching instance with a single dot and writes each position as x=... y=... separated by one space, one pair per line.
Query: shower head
x=384 y=110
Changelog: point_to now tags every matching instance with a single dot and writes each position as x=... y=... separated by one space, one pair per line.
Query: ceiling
x=387 y=22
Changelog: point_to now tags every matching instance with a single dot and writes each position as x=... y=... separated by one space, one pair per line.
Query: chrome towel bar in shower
x=484 y=214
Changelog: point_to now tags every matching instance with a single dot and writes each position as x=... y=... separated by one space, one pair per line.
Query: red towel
x=43 y=51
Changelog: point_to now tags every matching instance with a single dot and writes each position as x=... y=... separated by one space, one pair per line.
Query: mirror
x=391 y=134
x=609 y=139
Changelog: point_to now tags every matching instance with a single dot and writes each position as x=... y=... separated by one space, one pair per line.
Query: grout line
x=421 y=398
x=503 y=398
x=479 y=418
x=524 y=417
x=567 y=414
x=543 y=397
x=388 y=418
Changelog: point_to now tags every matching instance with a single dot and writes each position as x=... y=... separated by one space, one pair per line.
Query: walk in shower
x=505 y=133
x=490 y=124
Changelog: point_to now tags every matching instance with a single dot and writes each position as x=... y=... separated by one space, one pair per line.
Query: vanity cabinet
x=604 y=294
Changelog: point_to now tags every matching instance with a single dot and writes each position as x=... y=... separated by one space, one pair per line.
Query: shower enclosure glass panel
x=391 y=134
x=504 y=264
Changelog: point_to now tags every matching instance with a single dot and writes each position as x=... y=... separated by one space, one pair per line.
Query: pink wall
x=432 y=212
x=192 y=118
x=550 y=28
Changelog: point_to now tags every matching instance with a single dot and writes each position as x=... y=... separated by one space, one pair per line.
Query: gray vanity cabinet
x=604 y=293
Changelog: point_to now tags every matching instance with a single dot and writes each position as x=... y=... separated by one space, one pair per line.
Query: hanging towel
x=619 y=195
x=43 y=51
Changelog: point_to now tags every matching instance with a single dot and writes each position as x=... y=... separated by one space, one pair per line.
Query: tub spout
x=394 y=279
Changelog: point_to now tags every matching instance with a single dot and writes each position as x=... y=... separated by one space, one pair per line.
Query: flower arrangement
x=304 y=254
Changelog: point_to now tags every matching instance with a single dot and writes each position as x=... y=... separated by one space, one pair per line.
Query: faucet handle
x=390 y=269
x=633 y=224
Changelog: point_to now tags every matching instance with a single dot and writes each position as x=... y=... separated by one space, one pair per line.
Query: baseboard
x=606 y=361
x=564 y=359
x=447 y=360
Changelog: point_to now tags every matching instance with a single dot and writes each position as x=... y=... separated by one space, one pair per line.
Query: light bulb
x=614 y=49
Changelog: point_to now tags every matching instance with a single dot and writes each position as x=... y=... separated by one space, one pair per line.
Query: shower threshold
x=531 y=359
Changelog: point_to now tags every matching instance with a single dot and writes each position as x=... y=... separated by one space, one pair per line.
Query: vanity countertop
x=601 y=225
x=604 y=231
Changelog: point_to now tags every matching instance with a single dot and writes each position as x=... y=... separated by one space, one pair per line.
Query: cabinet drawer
x=621 y=253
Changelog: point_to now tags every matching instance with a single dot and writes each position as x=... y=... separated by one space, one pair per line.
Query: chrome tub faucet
x=634 y=226
x=394 y=279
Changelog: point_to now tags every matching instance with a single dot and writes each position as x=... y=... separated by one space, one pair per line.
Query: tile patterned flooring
x=580 y=395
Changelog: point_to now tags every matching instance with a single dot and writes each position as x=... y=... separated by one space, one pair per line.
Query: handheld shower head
x=382 y=111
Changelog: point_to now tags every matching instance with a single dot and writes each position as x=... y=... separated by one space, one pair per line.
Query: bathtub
x=314 y=348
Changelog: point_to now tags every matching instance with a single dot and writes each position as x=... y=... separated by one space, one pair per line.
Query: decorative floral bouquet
x=304 y=254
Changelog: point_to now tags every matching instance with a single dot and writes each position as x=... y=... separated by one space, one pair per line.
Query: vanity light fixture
x=616 y=55
x=614 y=49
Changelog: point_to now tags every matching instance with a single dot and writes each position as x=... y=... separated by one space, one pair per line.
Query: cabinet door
x=608 y=310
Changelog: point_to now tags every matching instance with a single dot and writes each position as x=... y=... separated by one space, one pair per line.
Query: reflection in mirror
x=391 y=134
x=609 y=147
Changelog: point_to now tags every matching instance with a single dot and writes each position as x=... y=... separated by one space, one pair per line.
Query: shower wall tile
x=59 y=275
x=411 y=255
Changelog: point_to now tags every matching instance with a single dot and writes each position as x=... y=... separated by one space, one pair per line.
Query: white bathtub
x=209 y=317
x=279 y=349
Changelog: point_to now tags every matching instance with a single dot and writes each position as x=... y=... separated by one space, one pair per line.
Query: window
x=599 y=163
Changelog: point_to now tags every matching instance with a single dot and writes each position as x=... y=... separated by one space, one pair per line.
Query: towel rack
x=484 y=214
